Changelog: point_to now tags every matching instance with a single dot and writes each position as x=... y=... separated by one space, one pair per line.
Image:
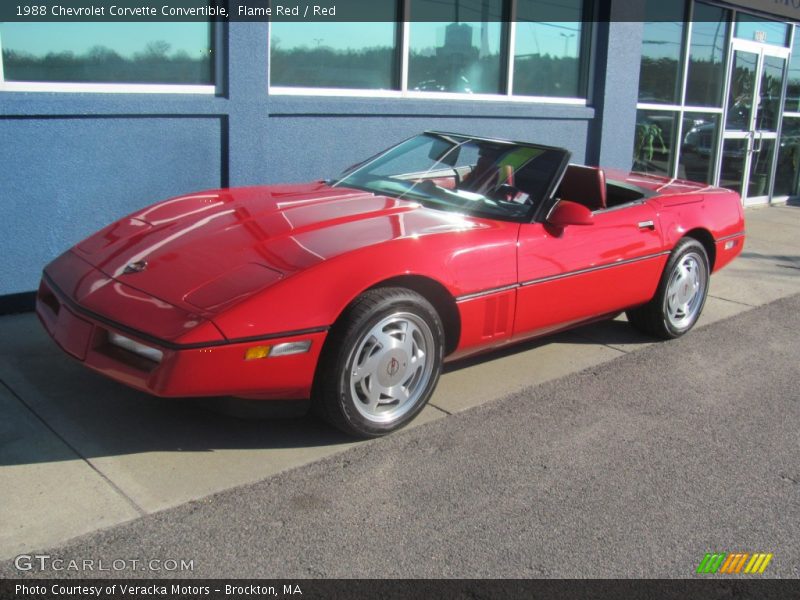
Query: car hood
x=211 y=249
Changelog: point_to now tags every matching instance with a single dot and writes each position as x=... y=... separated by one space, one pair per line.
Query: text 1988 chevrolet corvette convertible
x=352 y=292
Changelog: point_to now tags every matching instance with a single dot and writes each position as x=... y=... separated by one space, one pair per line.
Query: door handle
x=757 y=142
x=647 y=225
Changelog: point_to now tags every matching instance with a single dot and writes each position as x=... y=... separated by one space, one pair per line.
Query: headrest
x=584 y=185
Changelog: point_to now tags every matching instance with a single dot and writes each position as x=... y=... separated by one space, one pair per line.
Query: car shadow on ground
x=608 y=332
x=786 y=258
x=96 y=417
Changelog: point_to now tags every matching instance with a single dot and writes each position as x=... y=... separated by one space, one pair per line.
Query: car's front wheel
x=381 y=362
x=681 y=293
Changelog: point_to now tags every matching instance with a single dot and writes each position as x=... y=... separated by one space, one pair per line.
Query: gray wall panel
x=63 y=178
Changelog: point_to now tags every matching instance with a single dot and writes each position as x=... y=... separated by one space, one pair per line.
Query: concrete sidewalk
x=79 y=453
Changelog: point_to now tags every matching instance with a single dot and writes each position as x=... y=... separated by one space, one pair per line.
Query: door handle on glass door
x=757 y=140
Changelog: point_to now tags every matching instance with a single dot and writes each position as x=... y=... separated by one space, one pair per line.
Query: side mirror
x=570 y=213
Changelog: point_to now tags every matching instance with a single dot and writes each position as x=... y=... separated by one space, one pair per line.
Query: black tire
x=380 y=363
x=662 y=317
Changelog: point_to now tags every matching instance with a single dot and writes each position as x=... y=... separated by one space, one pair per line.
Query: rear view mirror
x=570 y=213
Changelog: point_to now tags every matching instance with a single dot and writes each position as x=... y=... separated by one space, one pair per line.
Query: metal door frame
x=754 y=137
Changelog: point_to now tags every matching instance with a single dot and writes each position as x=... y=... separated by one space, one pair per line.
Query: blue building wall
x=72 y=162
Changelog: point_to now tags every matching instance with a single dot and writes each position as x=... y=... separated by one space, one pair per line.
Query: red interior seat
x=584 y=185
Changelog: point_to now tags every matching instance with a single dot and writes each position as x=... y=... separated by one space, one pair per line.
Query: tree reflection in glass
x=706 y=56
x=661 y=52
x=178 y=53
x=461 y=56
x=334 y=55
x=547 y=54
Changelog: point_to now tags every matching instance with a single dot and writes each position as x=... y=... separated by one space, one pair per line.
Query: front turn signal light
x=282 y=349
x=256 y=352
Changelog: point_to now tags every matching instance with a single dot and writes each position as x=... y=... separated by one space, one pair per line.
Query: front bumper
x=194 y=369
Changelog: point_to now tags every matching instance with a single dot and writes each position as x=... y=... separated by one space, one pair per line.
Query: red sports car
x=352 y=292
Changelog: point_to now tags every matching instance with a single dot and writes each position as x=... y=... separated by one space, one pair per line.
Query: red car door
x=586 y=271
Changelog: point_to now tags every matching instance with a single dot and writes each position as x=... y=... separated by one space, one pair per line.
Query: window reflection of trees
x=706 y=56
x=99 y=64
x=324 y=66
x=459 y=46
x=454 y=46
x=661 y=48
x=465 y=62
x=336 y=55
x=547 y=55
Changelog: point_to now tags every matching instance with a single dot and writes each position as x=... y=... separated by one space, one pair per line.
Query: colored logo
x=734 y=562
x=393 y=367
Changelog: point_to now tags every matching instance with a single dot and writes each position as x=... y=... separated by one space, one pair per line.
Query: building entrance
x=755 y=84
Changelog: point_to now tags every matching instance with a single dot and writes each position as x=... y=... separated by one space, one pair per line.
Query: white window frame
x=405 y=93
x=411 y=94
x=118 y=88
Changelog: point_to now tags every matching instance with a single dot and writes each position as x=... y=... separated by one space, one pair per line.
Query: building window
x=793 y=85
x=679 y=117
x=124 y=53
x=447 y=47
x=698 y=146
x=654 y=146
x=343 y=55
x=750 y=27
x=548 y=55
x=707 y=49
x=787 y=174
x=659 y=71
x=461 y=56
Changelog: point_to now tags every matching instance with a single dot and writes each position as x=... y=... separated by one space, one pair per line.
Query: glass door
x=752 y=115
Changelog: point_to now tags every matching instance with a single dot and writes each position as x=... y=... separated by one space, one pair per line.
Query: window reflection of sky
x=662 y=40
x=708 y=33
x=793 y=89
x=748 y=26
x=427 y=37
x=336 y=36
x=126 y=39
x=554 y=39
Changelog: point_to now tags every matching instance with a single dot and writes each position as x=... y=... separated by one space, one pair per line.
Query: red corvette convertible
x=353 y=291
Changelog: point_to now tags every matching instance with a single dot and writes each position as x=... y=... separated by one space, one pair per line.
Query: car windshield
x=498 y=179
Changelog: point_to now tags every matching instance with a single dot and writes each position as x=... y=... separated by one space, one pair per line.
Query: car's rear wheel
x=681 y=293
x=381 y=362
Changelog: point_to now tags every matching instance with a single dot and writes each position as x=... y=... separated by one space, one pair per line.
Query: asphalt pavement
x=634 y=467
